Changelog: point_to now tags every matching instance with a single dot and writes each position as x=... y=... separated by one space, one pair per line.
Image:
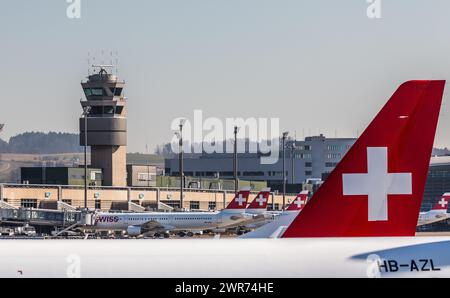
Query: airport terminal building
x=314 y=157
x=438 y=181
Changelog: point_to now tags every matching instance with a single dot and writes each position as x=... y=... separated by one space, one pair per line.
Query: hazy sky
x=320 y=66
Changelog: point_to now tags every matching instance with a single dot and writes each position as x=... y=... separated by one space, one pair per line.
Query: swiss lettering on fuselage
x=107 y=219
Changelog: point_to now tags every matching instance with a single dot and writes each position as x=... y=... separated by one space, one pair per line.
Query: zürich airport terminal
x=202 y=192
x=209 y=181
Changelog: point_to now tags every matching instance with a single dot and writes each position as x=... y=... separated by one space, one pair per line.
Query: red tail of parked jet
x=377 y=188
x=259 y=204
x=240 y=200
x=442 y=204
x=299 y=202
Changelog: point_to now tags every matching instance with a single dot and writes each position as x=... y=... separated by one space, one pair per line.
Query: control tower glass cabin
x=106 y=126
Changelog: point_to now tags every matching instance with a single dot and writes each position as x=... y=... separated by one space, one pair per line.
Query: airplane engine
x=134 y=230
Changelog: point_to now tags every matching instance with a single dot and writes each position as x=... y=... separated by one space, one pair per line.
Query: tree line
x=42 y=143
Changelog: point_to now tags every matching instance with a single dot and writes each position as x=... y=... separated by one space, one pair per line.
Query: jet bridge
x=39 y=217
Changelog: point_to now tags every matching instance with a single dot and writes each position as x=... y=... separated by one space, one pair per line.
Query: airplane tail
x=299 y=202
x=377 y=188
x=259 y=203
x=278 y=226
x=442 y=204
x=240 y=200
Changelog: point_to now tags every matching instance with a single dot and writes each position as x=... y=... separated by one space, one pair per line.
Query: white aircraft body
x=437 y=213
x=359 y=223
x=276 y=227
x=228 y=258
x=259 y=207
x=162 y=222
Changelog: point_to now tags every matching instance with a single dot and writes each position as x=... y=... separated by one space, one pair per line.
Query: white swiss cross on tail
x=240 y=200
x=377 y=183
x=261 y=200
x=299 y=202
x=377 y=188
x=443 y=203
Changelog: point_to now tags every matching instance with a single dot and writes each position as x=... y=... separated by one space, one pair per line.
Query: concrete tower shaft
x=106 y=126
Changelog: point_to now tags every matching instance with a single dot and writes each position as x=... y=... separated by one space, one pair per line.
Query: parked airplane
x=257 y=207
x=299 y=202
x=276 y=227
x=437 y=213
x=152 y=223
x=359 y=223
x=259 y=203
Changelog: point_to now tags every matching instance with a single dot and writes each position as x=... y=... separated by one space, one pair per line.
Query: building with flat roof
x=108 y=198
x=142 y=175
x=438 y=181
x=314 y=157
x=60 y=176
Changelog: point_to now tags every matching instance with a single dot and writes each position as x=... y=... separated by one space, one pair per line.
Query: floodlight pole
x=293 y=162
x=285 y=134
x=85 y=114
x=235 y=162
x=181 y=164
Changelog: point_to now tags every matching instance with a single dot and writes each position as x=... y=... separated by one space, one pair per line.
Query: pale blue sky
x=320 y=66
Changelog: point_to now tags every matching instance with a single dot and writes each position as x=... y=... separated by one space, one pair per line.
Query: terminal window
x=212 y=205
x=68 y=202
x=194 y=205
x=173 y=204
x=28 y=203
x=254 y=173
x=334 y=148
x=145 y=177
x=226 y=173
x=98 y=204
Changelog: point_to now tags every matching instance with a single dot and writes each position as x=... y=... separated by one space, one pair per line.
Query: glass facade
x=438 y=183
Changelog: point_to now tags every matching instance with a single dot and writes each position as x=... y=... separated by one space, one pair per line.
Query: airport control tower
x=105 y=107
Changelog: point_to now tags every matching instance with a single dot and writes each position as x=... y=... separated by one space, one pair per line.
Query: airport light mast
x=1 y=129
x=235 y=162
x=180 y=155
x=86 y=110
x=293 y=161
x=285 y=134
